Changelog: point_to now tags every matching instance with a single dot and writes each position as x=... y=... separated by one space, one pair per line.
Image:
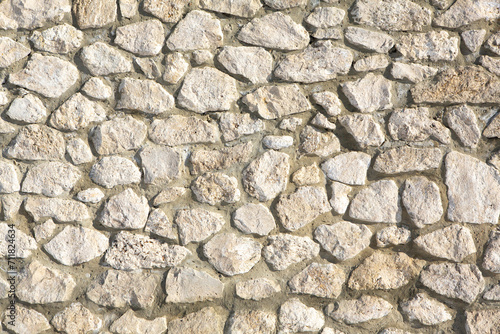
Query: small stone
x=76 y=319
x=76 y=113
x=118 y=288
x=113 y=171
x=169 y=195
x=128 y=8
x=300 y=208
x=370 y=93
x=23 y=243
x=284 y=250
x=422 y=201
x=79 y=151
x=290 y=124
x=27 y=321
x=253 y=63
x=12 y=51
x=275 y=31
x=243 y=8
x=355 y=311
x=365 y=130
x=321 y=121
x=200 y=57
x=4 y=97
x=118 y=135
x=453 y=243
x=125 y=210
x=340 y=197
x=159 y=163
x=344 y=240
x=101 y=59
x=328 y=33
x=277 y=142
x=325 y=17
x=272 y=102
x=197 y=30
x=473 y=39
x=371 y=63
x=97 y=88
x=393 y=236
x=426 y=310
x=175 y=67
x=316 y=142
x=433 y=46
x=329 y=101
x=32 y=15
x=159 y=224
x=150 y=67
x=266 y=176
x=10 y=205
x=9 y=181
x=307 y=175
x=463 y=122
x=321 y=280
x=215 y=188
x=76 y=245
x=91 y=195
x=285 y=4
x=369 y=40
x=38 y=284
x=5 y=127
x=129 y=323
x=491 y=64
x=454 y=280
x=208 y=160
x=406 y=159
x=491 y=261
x=144 y=38
x=44 y=230
x=350 y=168
x=196 y=225
x=294 y=316
x=463 y=12
x=205 y=321
x=186 y=285
x=59 y=39
x=179 y=130
x=482 y=321
x=92 y=14
x=144 y=95
x=207 y=89
x=412 y=72
x=234 y=126
x=257 y=289
x=167 y=11
x=62 y=210
x=252 y=322
x=130 y=251
x=47 y=75
x=493 y=293
x=254 y=219
x=377 y=203
x=51 y=179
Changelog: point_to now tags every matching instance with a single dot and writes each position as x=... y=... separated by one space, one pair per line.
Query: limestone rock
x=371 y=63
x=79 y=151
x=129 y=323
x=27 y=109
x=491 y=64
x=118 y=135
x=128 y=8
x=453 y=243
x=200 y=57
x=463 y=122
x=90 y=195
x=186 y=285
x=144 y=95
x=412 y=72
x=215 y=188
x=167 y=11
x=44 y=231
x=196 y=225
x=243 y=8
x=482 y=321
x=290 y=124
x=340 y=199
x=365 y=130
x=294 y=316
x=151 y=69
x=169 y=195
x=406 y=159
x=254 y=219
x=493 y=293
x=325 y=17
x=493 y=42
x=307 y=175
x=9 y=180
x=393 y=236
x=209 y=160
x=322 y=122
x=159 y=224
x=415 y=124
x=159 y=163
x=426 y=310
x=113 y=171
x=463 y=12
x=252 y=322
x=316 y=142
x=62 y=39
x=370 y=93
x=377 y=203
x=369 y=40
x=27 y=321
x=175 y=68
x=321 y=280
x=355 y=311
x=253 y=63
x=284 y=250
x=257 y=289
x=30 y=15
x=23 y=243
x=329 y=101
x=433 y=46
x=473 y=39
x=144 y=38
x=491 y=261
x=234 y=126
x=350 y=168
x=179 y=130
x=422 y=201
x=328 y=33
x=101 y=59
x=12 y=52
x=285 y=4
x=62 y=210
x=125 y=210
x=205 y=321
x=277 y=142
x=76 y=113
x=94 y=14
x=76 y=319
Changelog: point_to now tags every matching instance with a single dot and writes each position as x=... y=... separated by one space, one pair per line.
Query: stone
x=5 y=127
x=94 y=14
x=482 y=321
x=454 y=280
x=129 y=323
x=254 y=219
x=329 y=101
x=179 y=130
x=118 y=135
x=252 y=63
x=422 y=201
x=215 y=188
x=426 y=310
x=45 y=230
x=412 y=72
x=463 y=12
x=364 y=129
x=242 y=8
x=285 y=4
x=406 y=159
x=377 y=203
x=130 y=251
x=27 y=109
x=307 y=175
x=79 y=151
x=223 y=158
x=321 y=280
x=207 y=89
x=433 y=46
x=144 y=95
x=300 y=208
x=77 y=113
x=197 y=30
x=317 y=142
x=257 y=289
x=328 y=330
x=493 y=293
x=175 y=68
x=266 y=176
x=349 y=168
x=62 y=210
x=126 y=210
x=399 y=15
x=234 y=126
x=252 y=322
x=369 y=40
x=343 y=240
x=290 y=124
x=325 y=17
x=491 y=64
x=169 y=195
x=90 y=195
x=144 y=38
x=472 y=189
x=12 y=51
x=129 y=8
x=205 y=321
x=60 y=39
x=26 y=321
x=30 y=15
x=159 y=224
x=393 y=236
x=197 y=224
x=320 y=61
x=113 y=171
x=23 y=243
x=491 y=260
x=4 y=97
x=322 y=122
x=328 y=33
x=370 y=93
x=294 y=316
x=151 y=69
x=51 y=179
x=275 y=31
x=167 y=11
x=232 y=255
x=493 y=42
x=285 y=250
x=272 y=102
x=340 y=197
x=38 y=284
x=9 y=180
x=200 y=57
x=355 y=311
x=371 y=63
x=101 y=59
x=462 y=120
x=453 y=243
x=76 y=319
x=10 y=205
x=159 y=163
x=473 y=39
x=118 y=289
x=47 y=75
x=186 y=285
x=493 y=128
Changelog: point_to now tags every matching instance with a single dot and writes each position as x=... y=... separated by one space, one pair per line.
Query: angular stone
x=10 y=205
x=151 y=69
x=433 y=46
x=253 y=63
x=79 y=151
x=321 y=280
x=290 y=124
x=406 y=159
x=45 y=230
x=296 y=317
x=415 y=124
x=126 y=210
x=493 y=42
x=325 y=17
x=493 y=293
x=12 y=51
x=491 y=64
x=329 y=101
x=320 y=61
x=307 y=175
x=491 y=260
x=159 y=224
x=6 y=127
x=179 y=130
x=144 y=95
x=463 y=12
x=370 y=93
x=29 y=15
x=275 y=31
x=243 y=8
x=462 y=120
x=285 y=4
x=371 y=63
x=393 y=236
x=200 y=57
x=257 y=289
x=426 y=310
x=266 y=176
x=27 y=321
x=344 y=240
x=186 y=285
x=355 y=311
x=59 y=39
x=62 y=210
x=252 y=322
x=169 y=195
x=118 y=135
x=27 y=109
x=322 y=122
x=369 y=40
x=77 y=113
x=340 y=199
x=254 y=219
x=377 y=203
x=144 y=38
x=51 y=179
x=129 y=323
x=316 y=142
x=175 y=68
x=422 y=201
x=365 y=130
x=76 y=319
x=91 y=195
x=412 y=72
x=350 y=168
x=284 y=250
x=473 y=39
x=209 y=160
x=205 y=321
x=167 y=11
x=482 y=321
x=215 y=188
x=328 y=33
x=94 y=14
x=9 y=181
x=101 y=59
x=196 y=225
x=453 y=243
x=159 y=162
x=113 y=171
x=22 y=242
x=234 y=126
x=128 y=8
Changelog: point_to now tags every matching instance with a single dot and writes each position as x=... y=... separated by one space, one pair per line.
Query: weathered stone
x=10 y=205
x=51 y=179
x=328 y=33
x=208 y=160
x=200 y=57
x=463 y=12
x=167 y=11
x=344 y=240
x=129 y=323
x=144 y=95
x=493 y=293
x=328 y=330
x=482 y=321
x=76 y=319
x=329 y=101
x=426 y=310
x=205 y=321
x=12 y=51
x=62 y=210
x=393 y=236
x=254 y=219
x=196 y=225
x=294 y=316
x=462 y=120
x=365 y=130
x=377 y=203
x=491 y=261
x=101 y=59
x=186 y=285
x=90 y=195
x=491 y=64
x=433 y=46
x=275 y=31
x=369 y=40
x=125 y=210
x=371 y=63
x=159 y=224
x=321 y=280
x=29 y=15
x=27 y=109
x=307 y=175
x=252 y=322
x=27 y=321
x=253 y=63
x=159 y=162
x=94 y=14
x=340 y=200
x=325 y=17
x=169 y=195
x=370 y=93
x=59 y=39
x=79 y=151
x=285 y=4
x=128 y=8
x=76 y=113
x=316 y=142
x=144 y=38
x=290 y=124
x=406 y=159
x=493 y=42
x=234 y=126
x=179 y=130
x=257 y=289
x=355 y=311
x=215 y=188
x=453 y=243
x=23 y=243
x=243 y=8
x=277 y=142
x=415 y=124
x=422 y=201
x=45 y=230
x=322 y=122
x=412 y=72
x=9 y=181
x=118 y=135
x=350 y=168
x=284 y=250
x=113 y=171
x=175 y=68
x=6 y=127
x=473 y=39
x=151 y=69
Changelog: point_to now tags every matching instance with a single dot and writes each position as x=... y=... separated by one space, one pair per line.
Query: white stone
x=30 y=15
x=22 y=242
x=76 y=319
x=412 y=72
x=12 y=51
x=422 y=201
x=254 y=219
x=463 y=12
x=321 y=121
x=377 y=203
x=159 y=224
x=253 y=63
x=26 y=321
x=179 y=130
x=369 y=40
x=36 y=142
x=294 y=316
x=462 y=120
x=482 y=321
x=62 y=210
x=393 y=236
x=197 y=224
x=10 y=205
x=159 y=163
x=215 y=188
x=491 y=260
x=101 y=59
x=365 y=130
x=91 y=14
x=51 y=179
x=285 y=4
x=340 y=197
x=171 y=11
x=370 y=93
x=45 y=230
x=329 y=101
x=144 y=95
x=118 y=135
x=200 y=57
x=234 y=126
x=129 y=8
x=453 y=243
x=284 y=250
x=169 y=195
x=371 y=63
x=62 y=39
x=321 y=280
x=125 y=210
x=325 y=17
x=252 y=322
x=491 y=64
x=27 y=109
x=76 y=113
x=113 y=171
x=9 y=180
x=143 y=38
x=415 y=124
x=186 y=285
x=175 y=67
x=314 y=141
x=355 y=311
x=206 y=321
x=90 y=195
x=257 y=289
x=426 y=310
x=130 y=323
x=97 y=88
x=493 y=293
x=307 y=175
x=406 y=159
x=433 y=46
x=243 y=8
x=350 y=168
x=473 y=39
x=151 y=69
x=290 y=124
x=223 y=158
x=79 y=151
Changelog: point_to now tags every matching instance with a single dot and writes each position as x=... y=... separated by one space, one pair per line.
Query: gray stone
x=393 y=236
x=253 y=63
x=94 y=14
x=234 y=126
x=493 y=42
x=364 y=129
x=371 y=63
x=369 y=40
x=197 y=224
x=329 y=101
x=422 y=201
x=433 y=46
x=27 y=109
x=215 y=188
x=377 y=203
x=79 y=151
x=370 y=93
x=90 y=195
x=159 y=224
x=179 y=130
x=167 y=11
x=159 y=163
x=51 y=179
x=130 y=323
x=321 y=280
x=491 y=260
x=12 y=51
x=290 y=124
x=118 y=135
x=307 y=175
x=453 y=243
x=209 y=160
x=77 y=113
x=350 y=168
x=426 y=310
x=27 y=321
x=252 y=322
x=186 y=285
x=493 y=128
x=493 y=293
x=462 y=120
x=340 y=199
x=29 y=15
x=9 y=180
x=205 y=321
x=355 y=311
x=482 y=321
x=175 y=68
x=126 y=210
x=294 y=316
x=317 y=142
x=76 y=319
x=144 y=38
x=113 y=171
x=463 y=12
x=62 y=39
x=101 y=59
x=62 y=210
x=325 y=17
x=169 y=195
x=406 y=159
x=243 y=8
x=254 y=219
x=257 y=289
x=284 y=250
x=412 y=72
x=23 y=243
x=144 y=95
x=473 y=39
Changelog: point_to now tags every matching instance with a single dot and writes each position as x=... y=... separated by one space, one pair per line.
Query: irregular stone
x=234 y=126
x=45 y=230
x=9 y=181
x=454 y=280
x=426 y=310
x=328 y=330
x=94 y=14
x=91 y=195
x=253 y=63
x=491 y=64
x=207 y=89
x=167 y=11
x=328 y=33
x=493 y=42
x=10 y=205
x=350 y=168
x=62 y=210
x=406 y=159
x=370 y=93
x=493 y=293
x=38 y=284
x=482 y=321
x=365 y=130
x=27 y=109
x=129 y=323
x=128 y=8
x=15 y=14
x=266 y=176
x=205 y=321
x=463 y=122
x=316 y=142
x=186 y=285
x=321 y=280
x=144 y=95
x=321 y=121
x=159 y=162
x=26 y=321
x=252 y=322
x=79 y=151
x=151 y=69
x=215 y=188
x=208 y=160
x=453 y=243
x=169 y=195
x=340 y=199
x=491 y=260
x=47 y=75
x=113 y=171
x=254 y=219
x=412 y=72
x=243 y=8
x=179 y=130
x=377 y=203
x=275 y=31
x=51 y=179
x=175 y=68
x=463 y=12
x=433 y=46
x=257 y=289
x=272 y=102
x=76 y=113
x=344 y=240
x=118 y=135
x=290 y=124
x=473 y=187
x=369 y=40
x=393 y=236
x=61 y=39
x=371 y=63
x=126 y=210
x=5 y=127
x=473 y=39
x=320 y=61
x=284 y=250
x=296 y=317
x=422 y=201
x=76 y=319
x=12 y=51
x=329 y=101
x=144 y=38
x=101 y=59
x=307 y=175
x=355 y=311
x=4 y=97
x=200 y=57
x=277 y=142
x=285 y=4
x=22 y=242
x=196 y=225
x=325 y=17
x=159 y=224
x=197 y=30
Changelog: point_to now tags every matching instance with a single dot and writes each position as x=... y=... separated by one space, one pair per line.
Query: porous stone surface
x=422 y=200
x=129 y=322
x=118 y=135
x=126 y=210
x=355 y=311
x=370 y=93
x=205 y=321
x=50 y=179
x=252 y=321
x=114 y=170
x=179 y=130
x=349 y=168
x=75 y=319
x=257 y=289
x=197 y=224
x=294 y=316
x=426 y=310
x=186 y=285
x=406 y=159
x=60 y=39
x=377 y=203
x=101 y=59
x=144 y=95
x=321 y=280
x=284 y=250
x=26 y=321
x=254 y=218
